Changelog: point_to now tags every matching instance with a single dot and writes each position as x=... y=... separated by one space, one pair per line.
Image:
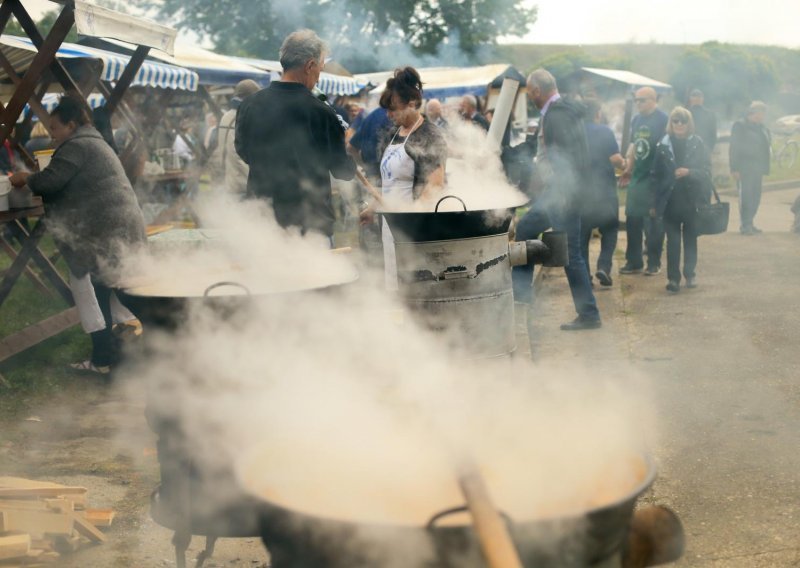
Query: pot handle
x=431 y=524
x=436 y=209
x=221 y=284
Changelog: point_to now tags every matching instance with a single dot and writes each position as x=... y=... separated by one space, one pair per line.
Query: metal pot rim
x=631 y=495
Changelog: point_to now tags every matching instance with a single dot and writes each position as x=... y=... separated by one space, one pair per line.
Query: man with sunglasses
x=647 y=128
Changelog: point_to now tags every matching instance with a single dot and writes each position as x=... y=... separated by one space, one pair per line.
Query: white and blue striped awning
x=339 y=85
x=20 y=51
x=330 y=84
x=212 y=68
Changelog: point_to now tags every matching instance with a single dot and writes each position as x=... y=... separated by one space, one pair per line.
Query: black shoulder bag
x=712 y=218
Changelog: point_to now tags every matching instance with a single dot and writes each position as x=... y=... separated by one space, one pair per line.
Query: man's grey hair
x=300 y=47
x=543 y=79
x=470 y=100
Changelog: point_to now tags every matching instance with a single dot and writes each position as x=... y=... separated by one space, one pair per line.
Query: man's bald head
x=646 y=100
x=433 y=109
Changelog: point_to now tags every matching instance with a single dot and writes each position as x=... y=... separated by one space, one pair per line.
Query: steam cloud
x=338 y=404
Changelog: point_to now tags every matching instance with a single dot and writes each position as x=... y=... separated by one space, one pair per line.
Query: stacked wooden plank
x=40 y=521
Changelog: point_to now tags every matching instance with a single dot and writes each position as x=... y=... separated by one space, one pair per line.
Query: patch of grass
x=39 y=372
x=42 y=372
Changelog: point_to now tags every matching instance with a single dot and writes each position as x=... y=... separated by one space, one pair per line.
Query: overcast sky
x=772 y=22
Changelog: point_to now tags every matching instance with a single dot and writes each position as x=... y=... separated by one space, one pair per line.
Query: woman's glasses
x=678 y=120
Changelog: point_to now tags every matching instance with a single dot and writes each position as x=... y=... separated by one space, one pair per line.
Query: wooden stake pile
x=39 y=521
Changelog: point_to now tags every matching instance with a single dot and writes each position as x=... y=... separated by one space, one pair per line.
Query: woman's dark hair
x=72 y=108
x=406 y=85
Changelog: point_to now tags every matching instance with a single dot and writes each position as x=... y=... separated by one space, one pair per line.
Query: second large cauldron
x=454 y=272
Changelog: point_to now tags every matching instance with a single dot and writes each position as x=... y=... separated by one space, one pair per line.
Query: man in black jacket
x=705 y=121
x=293 y=142
x=749 y=160
x=563 y=165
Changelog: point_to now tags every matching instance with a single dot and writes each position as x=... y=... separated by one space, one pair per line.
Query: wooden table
x=28 y=242
x=182 y=200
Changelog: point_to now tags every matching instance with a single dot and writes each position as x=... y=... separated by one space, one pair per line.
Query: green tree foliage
x=563 y=65
x=362 y=29
x=44 y=25
x=728 y=75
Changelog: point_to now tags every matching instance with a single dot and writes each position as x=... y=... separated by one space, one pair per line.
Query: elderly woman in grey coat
x=91 y=212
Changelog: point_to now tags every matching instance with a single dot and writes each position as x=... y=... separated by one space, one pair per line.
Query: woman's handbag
x=712 y=218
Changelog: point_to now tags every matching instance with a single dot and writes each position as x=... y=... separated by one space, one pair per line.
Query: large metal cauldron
x=161 y=309
x=454 y=272
x=593 y=538
x=195 y=499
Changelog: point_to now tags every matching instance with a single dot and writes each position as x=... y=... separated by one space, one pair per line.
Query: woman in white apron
x=412 y=164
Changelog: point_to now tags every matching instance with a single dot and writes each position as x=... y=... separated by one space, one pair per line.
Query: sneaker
x=690 y=282
x=755 y=230
x=628 y=269
x=673 y=286
x=603 y=277
x=89 y=367
x=652 y=271
x=579 y=323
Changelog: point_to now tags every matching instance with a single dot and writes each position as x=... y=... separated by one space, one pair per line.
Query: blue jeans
x=535 y=222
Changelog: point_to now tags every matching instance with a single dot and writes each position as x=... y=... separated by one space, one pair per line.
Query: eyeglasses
x=679 y=120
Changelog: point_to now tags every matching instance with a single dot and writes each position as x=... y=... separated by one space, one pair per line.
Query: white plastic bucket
x=5 y=189
x=43 y=158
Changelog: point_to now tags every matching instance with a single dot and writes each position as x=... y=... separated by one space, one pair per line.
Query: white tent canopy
x=445 y=82
x=97 y=21
x=635 y=80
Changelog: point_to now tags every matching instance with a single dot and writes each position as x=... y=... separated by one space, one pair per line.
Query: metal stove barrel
x=462 y=287
x=454 y=272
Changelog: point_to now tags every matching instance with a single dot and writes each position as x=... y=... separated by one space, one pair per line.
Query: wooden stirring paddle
x=496 y=544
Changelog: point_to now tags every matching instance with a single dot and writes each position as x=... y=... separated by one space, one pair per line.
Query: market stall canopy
x=212 y=68
x=20 y=51
x=444 y=82
x=330 y=84
x=97 y=21
x=629 y=78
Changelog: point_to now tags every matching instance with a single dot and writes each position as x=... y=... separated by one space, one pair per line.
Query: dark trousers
x=654 y=231
x=749 y=198
x=609 y=229
x=635 y=228
x=536 y=221
x=105 y=346
x=677 y=229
